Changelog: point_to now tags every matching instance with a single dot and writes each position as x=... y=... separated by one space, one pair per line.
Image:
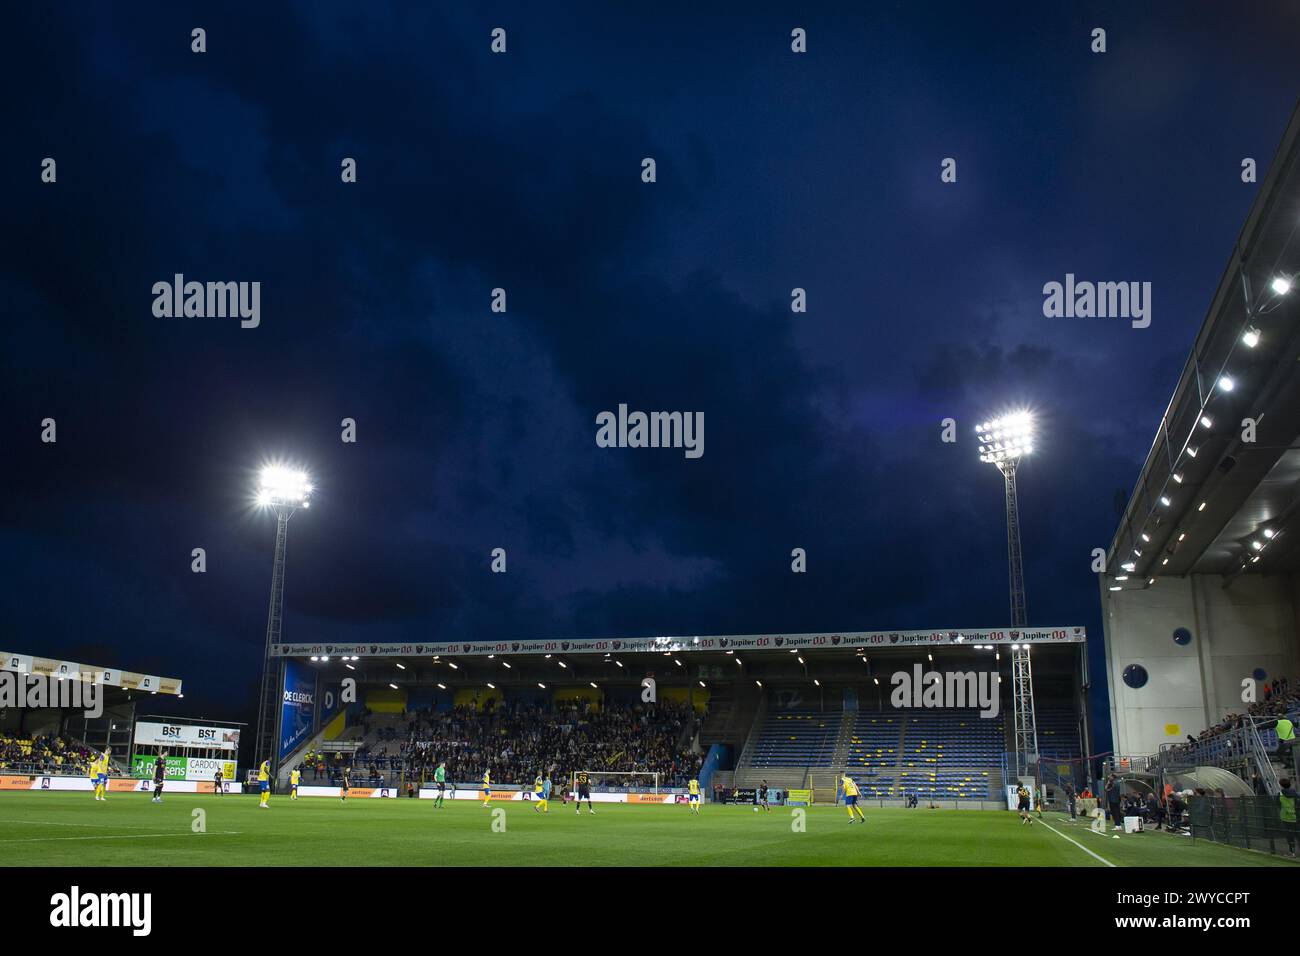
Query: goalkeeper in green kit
x=440 y=778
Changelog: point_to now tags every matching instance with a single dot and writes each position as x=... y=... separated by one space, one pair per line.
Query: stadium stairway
x=940 y=754
x=731 y=715
x=787 y=746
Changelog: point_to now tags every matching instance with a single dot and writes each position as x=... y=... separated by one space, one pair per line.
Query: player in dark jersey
x=347 y=783
x=584 y=793
x=159 y=775
x=216 y=782
x=1022 y=805
x=762 y=797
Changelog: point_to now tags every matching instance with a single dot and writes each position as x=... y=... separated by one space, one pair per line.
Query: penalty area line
x=1077 y=843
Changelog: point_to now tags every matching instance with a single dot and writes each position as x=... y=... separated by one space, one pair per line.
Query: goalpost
x=618 y=779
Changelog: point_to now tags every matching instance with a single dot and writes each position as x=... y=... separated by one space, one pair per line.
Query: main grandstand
x=796 y=711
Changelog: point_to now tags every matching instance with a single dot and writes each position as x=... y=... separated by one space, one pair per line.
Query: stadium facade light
x=1281 y=285
x=491 y=686
x=593 y=684
x=1250 y=338
x=1226 y=383
x=442 y=686
x=393 y=686
x=401 y=666
x=1207 y=421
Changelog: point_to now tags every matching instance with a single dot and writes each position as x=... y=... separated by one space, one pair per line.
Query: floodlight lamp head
x=1007 y=438
x=281 y=486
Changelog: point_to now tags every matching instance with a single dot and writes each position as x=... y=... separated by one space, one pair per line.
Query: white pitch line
x=58 y=823
x=1078 y=844
x=125 y=836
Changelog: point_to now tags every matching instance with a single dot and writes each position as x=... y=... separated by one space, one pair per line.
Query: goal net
x=645 y=781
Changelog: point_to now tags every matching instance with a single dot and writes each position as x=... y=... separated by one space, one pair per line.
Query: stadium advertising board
x=865 y=640
x=331 y=700
x=298 y=714
x=183 y=768
x=197 y=736
x=115 y=784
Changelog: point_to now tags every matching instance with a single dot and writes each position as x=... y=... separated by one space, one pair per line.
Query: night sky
x=476 y=430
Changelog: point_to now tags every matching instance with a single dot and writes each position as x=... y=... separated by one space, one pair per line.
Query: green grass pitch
x=71 y=829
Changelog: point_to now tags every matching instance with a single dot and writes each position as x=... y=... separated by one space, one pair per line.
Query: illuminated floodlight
x=278 y=485
x=1006 y=438
x=1281 y=285
x=1226 y=383
x=1250 y=338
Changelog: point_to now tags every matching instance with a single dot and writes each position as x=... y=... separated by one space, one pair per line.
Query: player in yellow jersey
x=487 y=787
x=92 y=771
x=264 y=784
x=294 y=777
x=542 y=794
x=693 y=798
x=101 y=778
x=851 y=799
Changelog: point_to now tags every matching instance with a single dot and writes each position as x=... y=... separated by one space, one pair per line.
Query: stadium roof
x=108 y=676
x=866 y=640
x=1209 y=500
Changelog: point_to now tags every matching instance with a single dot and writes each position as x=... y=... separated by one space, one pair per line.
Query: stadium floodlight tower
x=1002 y=443
x=283 y=491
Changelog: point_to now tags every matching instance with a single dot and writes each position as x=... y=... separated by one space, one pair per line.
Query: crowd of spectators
x=1277 y=699
x=516 y=742
x=42 y=755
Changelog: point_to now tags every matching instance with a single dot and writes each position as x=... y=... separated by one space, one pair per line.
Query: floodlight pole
x=269 y=706
x=1022 y=678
